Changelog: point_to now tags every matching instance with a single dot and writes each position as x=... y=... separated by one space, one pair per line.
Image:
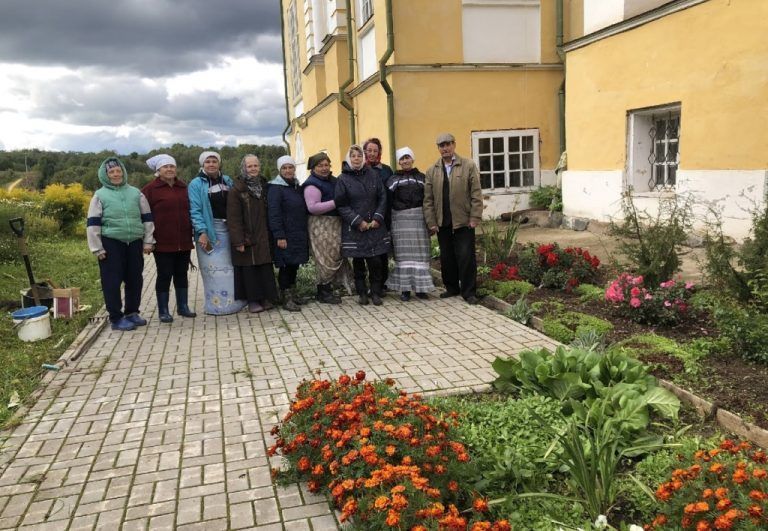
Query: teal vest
x=121 y=213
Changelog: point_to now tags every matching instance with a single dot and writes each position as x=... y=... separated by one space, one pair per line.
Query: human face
x=447 y=149
x=323 y=168
x=371 y=152
x=211 y=166
x=115 y=175
x=288 y=172
x=406 y=162
x=167 y=172
x=252 y=167
x=356 y=159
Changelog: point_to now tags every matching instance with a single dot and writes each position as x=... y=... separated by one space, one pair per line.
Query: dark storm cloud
x=153 y=38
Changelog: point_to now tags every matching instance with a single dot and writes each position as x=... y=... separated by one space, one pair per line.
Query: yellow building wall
x=427 y=104
x=326 y=131
x=371 y=109
x=713 y=58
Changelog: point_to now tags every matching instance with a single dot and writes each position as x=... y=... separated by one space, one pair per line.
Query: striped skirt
x=325 y=243
x=411 y=239
x=219 y=275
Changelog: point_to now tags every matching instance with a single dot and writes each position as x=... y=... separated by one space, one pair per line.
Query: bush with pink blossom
x=666 y=304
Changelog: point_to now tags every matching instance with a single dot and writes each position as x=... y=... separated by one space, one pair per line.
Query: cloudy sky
x=132 y=75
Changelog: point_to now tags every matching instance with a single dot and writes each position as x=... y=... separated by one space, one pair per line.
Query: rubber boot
x=182 y=306
x=288 y=301
x=362 y=292
x=162 y=306
x=325 y=295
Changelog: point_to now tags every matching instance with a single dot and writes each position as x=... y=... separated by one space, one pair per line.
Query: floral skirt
x=219 y=275
x=325 y=243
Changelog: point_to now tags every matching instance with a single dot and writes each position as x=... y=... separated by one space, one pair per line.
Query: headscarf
x=158 y=161
x=112 y=163
x=205 y=154
x=402 y=152
x=255 y=184
x=375 y=161
x=285 y=159
x=355 y=147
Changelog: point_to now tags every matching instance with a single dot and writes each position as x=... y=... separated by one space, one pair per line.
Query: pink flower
x=667 y=304
x=689 y=285
x=648 y=296
x=635 y=302
x=668 y=284
x=635 y=291
x=637 y=280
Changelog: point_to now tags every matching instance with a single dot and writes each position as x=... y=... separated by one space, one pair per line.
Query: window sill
x=508 y=191
x=666 y=194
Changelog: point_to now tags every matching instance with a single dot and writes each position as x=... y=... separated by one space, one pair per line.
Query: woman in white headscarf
x=168 y=199
x=409 y=230
x=361 y=199
x=208 y=209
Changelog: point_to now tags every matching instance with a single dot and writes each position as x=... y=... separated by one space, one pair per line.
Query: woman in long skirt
x=409 y=230
x=324 y=226
x=249 y=234
x=208 y=209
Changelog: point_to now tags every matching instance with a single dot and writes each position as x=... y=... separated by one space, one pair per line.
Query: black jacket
x=360 y=196
x=406 y=189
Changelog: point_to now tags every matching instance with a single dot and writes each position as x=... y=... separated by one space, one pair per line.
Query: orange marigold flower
x=716 y=468
x=708 y=493
x=755 y=511
x=393 y=518
x=318 y=470
x=397 y=489
x=348 y=484
x=453 y=486
x=721 y=492
x=697 y=507
x=703 y=525
x=344 y=379
x=740 y=476
x=407 y=460
x=399 y=502
x=659 y=520
x=481 y=526
x=360 y=376
x=723 y=522
x=381 y=503
x=348 y=509
x=418 y=528
x=502 y=525
x=758 y=495
x=734 y=514
x=313 y=486
x=713 y=452
x=724 y=504
x=759 y=457
x=304 y=464
x=480 y=505
x=759 y=473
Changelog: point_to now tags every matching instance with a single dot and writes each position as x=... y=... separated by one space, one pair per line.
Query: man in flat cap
x=453 y=207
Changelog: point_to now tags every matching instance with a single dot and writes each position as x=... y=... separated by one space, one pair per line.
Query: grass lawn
x=68 y=263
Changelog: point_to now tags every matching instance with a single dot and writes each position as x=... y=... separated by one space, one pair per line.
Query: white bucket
x=32 y=328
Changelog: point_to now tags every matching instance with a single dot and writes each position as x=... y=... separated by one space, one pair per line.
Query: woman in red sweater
x=168 y=199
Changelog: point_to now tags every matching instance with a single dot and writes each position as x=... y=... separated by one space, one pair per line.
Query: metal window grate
x=665 y=154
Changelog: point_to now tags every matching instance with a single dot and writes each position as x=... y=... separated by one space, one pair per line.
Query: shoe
x=289 y=301
x=376 y=299
x=405 y=296
x=182 y=306
x=123 y=324
x=362 y=300
x=422 y=296
x=162 y=307
x=255 y=307
x=267 y=305
x=472 y=300
x=448 y=294
x=325 y=295
x=136 y=319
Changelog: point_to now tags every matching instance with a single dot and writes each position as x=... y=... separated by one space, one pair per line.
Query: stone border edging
x=727 y=420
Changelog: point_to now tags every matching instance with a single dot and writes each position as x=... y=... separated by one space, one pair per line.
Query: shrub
x=35 y=225
x=504 y=289
x=66 y=203
x=589 y=292
x=550 y=197
x=653 y=244
x=666 y=304
x=746 y=328
x=385 y=458
x=496 y=244
x=716 y=488
x=689 y=353
x=550 y=266
x=565 y=326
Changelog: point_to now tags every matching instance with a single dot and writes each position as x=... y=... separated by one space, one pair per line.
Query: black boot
x=289 y=302
x=182 y=307
x=162 y=306
x=362 y=291
x=325 y=295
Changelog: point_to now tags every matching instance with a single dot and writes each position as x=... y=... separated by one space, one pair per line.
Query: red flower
x=552 y=259
x=344 y=379
x=360 y=376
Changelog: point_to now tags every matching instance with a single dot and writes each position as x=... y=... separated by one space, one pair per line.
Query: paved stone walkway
x=167 y=427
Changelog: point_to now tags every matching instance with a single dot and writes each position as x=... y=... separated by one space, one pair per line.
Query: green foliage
x=550 y=197
x=746 y=327
x=36 y=226
x=550 y=266
x=588 y=339
x=504 y=288
x=434 y=248
x=497 y=244
x=589 y=292
x=66 y=203
x=653 y=244
x=520 y=311
x=507 y=440
x=565 y=326
x=690 y=353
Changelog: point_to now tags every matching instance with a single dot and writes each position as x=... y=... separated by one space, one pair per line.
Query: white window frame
x=293 y=42
x=513 y=40
x=508 y=137
x=643 y=145
x=364 y=12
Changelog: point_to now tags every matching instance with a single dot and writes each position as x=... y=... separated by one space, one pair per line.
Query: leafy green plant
x=653 y=243
x=504 y=288
x=550 y=197
x=588 y=339
x=520 y=311
x=746 y=327
x=68 y=204
x=565 y=326
x=497 y=244
x=690 y=353
x=551 y=266
x=589 y=292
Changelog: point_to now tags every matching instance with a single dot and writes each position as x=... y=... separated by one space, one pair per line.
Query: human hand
x=473 y=224
x=240 y=248
x=204 y=241
x=282 y=243
x=363 y=226
x=148 y=247
x=374 y=225
x=433 y=230
x=102 y=255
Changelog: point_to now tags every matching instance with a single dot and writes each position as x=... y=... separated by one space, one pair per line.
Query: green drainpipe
x=285 y=80
x=385 y=84
x=561 y=54
x=343 y=96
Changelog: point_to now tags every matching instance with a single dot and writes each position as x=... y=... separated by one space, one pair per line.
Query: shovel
x=17 y=226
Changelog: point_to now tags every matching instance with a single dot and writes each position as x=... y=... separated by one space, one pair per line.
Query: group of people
x=243 y=227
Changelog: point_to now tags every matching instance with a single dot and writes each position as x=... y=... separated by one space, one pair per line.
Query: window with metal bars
x=664 y=156
x=507 y=159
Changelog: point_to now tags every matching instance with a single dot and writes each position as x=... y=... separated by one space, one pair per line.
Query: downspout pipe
x=385 y=84
x=285 y=80
x=344 y=100
x=561 y=55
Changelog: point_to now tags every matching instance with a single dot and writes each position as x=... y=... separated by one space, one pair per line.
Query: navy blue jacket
x=287 y=214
